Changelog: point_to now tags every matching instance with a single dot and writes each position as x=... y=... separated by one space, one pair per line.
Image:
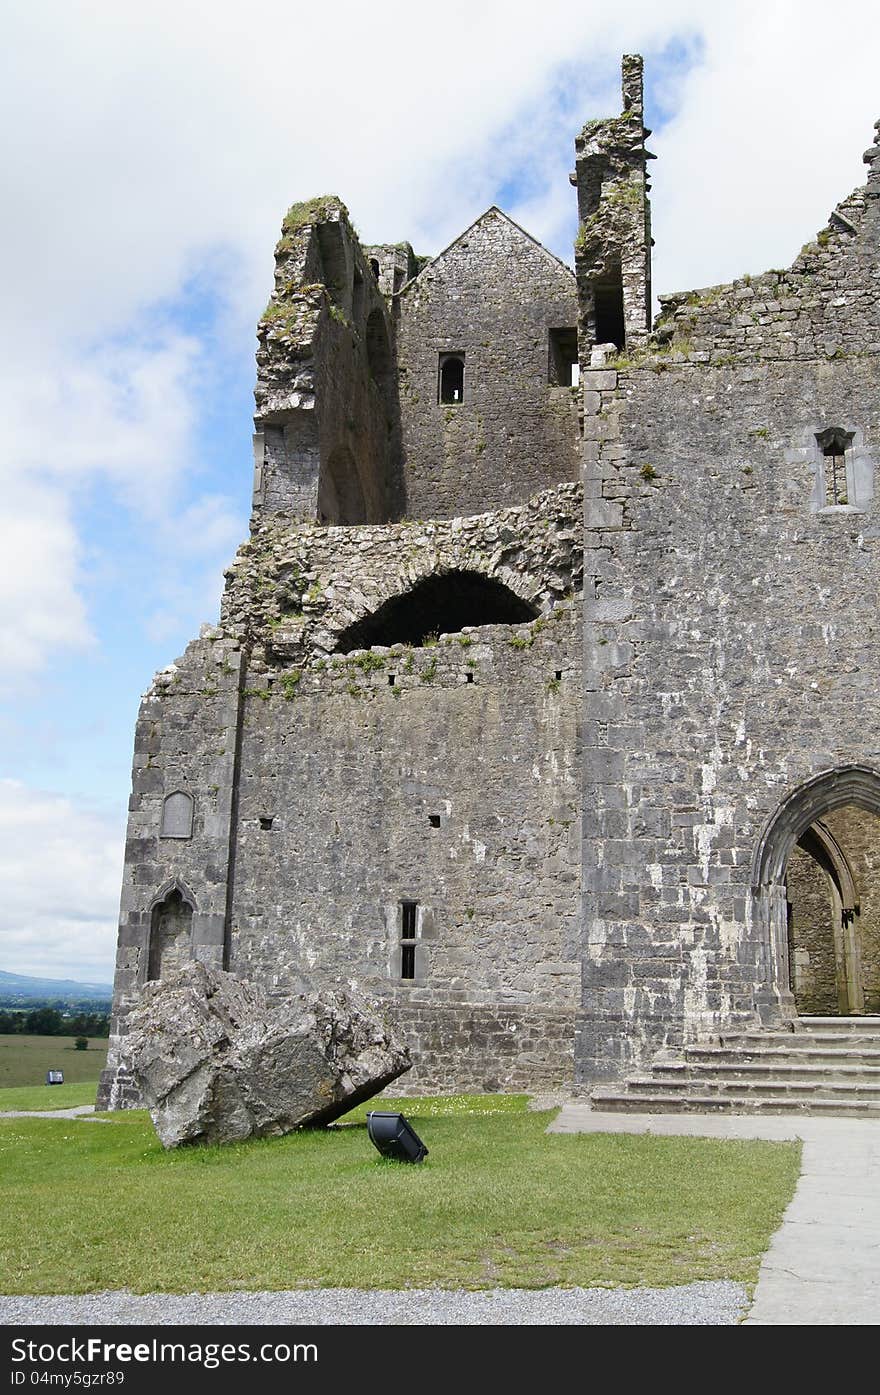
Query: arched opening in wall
x=340 y=495
x=333 y=262
x=817 y=892
x=357 y=298
x=833 y=912
x=441 y=604
x=379 y=358
x=608 y=307
x=170 y=934
x=451 y=378
x=374 y=267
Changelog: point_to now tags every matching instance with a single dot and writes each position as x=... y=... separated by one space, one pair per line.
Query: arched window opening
x=374 y=267
x=834 y=443
x=170 y=935
x=451 y=385
x=443 y=604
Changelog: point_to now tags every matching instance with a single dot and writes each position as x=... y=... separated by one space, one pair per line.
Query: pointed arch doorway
x=816 y=889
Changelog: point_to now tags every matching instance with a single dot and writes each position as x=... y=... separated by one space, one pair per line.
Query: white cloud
x=154 y=148
x=768 y=137
x=40 y=561
x=61 y=870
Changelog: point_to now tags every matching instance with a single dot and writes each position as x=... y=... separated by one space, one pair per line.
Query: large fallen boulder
x=216 y=1062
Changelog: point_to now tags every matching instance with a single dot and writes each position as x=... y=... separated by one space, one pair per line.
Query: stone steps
x=822 y=1066
x=614 y=1102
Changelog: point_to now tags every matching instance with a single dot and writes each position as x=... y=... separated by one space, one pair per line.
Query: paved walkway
x=823 y=1264
x=76 y=1111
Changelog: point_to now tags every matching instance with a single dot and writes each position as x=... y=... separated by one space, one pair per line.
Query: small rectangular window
x=562 y=361
x=408 y=934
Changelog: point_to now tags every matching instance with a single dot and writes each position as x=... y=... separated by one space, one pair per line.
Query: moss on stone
x=316 y=210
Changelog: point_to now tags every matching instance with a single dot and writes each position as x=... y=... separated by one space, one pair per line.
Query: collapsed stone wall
x=613 y=243
x=492 y=298
x=327 y=442
x=292 y=591
x=826 y=305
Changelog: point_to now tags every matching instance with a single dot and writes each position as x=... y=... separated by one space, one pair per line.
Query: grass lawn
x=91 y=1206
x=24 y=1060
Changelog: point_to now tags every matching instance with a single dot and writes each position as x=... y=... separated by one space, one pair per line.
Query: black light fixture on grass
x=395 y=1137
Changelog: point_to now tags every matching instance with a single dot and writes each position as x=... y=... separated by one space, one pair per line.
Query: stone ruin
x=214 y=1062
x=542 y=707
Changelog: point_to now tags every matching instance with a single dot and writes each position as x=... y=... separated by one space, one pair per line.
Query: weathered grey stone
x=538 y=831
x=215 y=1062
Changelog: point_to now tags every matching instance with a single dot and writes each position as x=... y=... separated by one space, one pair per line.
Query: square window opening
x=562 y=359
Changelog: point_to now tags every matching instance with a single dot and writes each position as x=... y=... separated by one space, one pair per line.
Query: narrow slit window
x=834 y=443
x=408 y=937
x=835 y=477
x=451 y=385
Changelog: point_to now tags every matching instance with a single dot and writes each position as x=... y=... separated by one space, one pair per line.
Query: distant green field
x=24 y=1060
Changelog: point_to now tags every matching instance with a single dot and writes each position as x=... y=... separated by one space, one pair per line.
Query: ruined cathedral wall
x=291 y=592
x=493 y=297
x=323 y=796
x=327 y=442
x=443 y=775
x=730 y=655
x=825 y=306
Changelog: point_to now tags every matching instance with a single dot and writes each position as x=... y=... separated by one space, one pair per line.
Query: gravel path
x=717 y=1303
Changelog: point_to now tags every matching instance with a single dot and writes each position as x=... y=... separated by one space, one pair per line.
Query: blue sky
x=155 y=154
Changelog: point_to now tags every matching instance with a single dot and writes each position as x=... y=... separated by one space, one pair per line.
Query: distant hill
x=24 y=988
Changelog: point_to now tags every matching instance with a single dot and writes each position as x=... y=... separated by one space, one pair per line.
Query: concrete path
x=823 y=1264
x=76 y=1111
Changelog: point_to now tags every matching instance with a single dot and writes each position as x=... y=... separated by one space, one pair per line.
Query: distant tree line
x=51 y=1022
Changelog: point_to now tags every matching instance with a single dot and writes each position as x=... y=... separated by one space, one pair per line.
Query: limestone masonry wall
x=729 y=656
x=493 y=297
x=525 y=695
